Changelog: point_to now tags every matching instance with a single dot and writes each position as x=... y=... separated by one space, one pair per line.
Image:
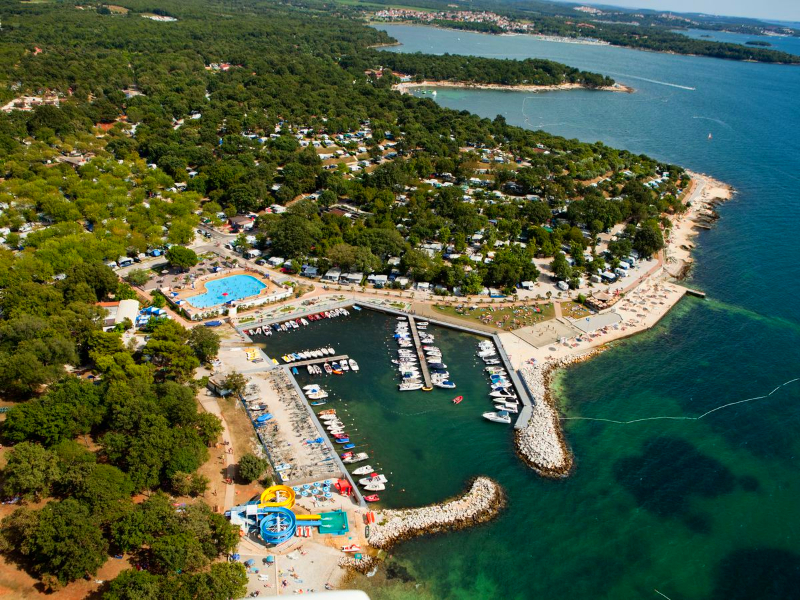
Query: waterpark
x=272 y=518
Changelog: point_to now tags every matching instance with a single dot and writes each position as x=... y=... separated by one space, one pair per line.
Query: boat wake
x=705 y=414
x=675 y=85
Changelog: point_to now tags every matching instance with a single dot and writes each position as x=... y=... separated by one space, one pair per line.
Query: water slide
x=277 y=496
x=278 y=525
x=313 y=520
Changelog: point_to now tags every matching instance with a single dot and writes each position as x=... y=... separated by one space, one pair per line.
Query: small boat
x=319 y=403
x=500 y=416
x=366 y=469
x=353 y=365
x=349 y=446
x=502 y=394
x=375 y=487
x=336 y=366
x=374 y=478
x=458 y=399
x=409 y=387
x=327 y=368
x=344 y=366
x=445 y=385
x=330 y=411
x=295 y=371
x=351 y=548
x=344 y=440
x=371 y=498
x=356 y=307
x=427 y=389
x=349 y=457
x=505 y=406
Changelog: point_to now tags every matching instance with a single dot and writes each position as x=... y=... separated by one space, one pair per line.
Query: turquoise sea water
x=694 y=509
x=227 y=289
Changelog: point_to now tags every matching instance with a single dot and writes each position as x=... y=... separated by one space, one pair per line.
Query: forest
x=474 y=69
x=141 y=130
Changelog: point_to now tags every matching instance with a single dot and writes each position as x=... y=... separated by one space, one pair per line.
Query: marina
x=384 y=425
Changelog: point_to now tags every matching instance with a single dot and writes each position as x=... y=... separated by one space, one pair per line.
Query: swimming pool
x=220 y=291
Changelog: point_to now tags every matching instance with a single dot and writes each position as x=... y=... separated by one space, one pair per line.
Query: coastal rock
x=541 y=444
x=482 y=502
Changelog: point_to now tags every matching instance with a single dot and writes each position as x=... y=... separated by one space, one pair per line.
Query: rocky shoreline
x=406 y=87
x=482 y=502
x=541 y=444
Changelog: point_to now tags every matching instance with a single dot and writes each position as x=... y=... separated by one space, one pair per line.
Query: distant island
x=758 y=43
x=625 y=34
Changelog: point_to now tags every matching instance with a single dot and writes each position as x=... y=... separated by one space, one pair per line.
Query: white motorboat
x=446 y=385
x=375 y=487
x=409 y=386
x=318 y=395
x=353 y=365
x=328 y=418
x=505 y=406
x=500 y=416
x=356 y=458
x=344 y=366
x=375 y=479
x=365 y=470
x=502 y=394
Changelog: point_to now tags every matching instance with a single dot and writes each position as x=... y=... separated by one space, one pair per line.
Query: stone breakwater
x=362 y=565
x=482 y=502
x=541 y=444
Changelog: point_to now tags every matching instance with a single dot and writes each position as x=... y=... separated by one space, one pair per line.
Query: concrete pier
x=317 y=361
x=423 y=364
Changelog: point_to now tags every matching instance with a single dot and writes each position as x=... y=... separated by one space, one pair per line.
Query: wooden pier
x=316 y=361
x=423 y=364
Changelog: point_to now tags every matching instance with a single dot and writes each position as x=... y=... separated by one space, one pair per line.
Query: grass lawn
x=507 y=318
x=573 y=310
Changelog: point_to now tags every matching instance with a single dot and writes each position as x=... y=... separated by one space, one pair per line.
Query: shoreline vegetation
x=542 y=443
x=406 y=87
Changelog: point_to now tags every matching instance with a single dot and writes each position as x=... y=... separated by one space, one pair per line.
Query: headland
x=406 y=87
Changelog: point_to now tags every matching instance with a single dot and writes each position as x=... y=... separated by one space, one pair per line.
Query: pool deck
x=198 y=288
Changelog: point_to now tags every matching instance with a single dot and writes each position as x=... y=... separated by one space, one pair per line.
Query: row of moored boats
x=372 y=482
x=331 y=368
x=408 y=358
x=502 y=392
x=297 y=323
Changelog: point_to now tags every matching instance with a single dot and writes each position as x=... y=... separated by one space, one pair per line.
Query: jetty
x=423 y=364
x=317 y=361
x=482 y=502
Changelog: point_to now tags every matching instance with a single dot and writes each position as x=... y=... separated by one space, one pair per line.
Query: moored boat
x=458 y=399
x=500 y=416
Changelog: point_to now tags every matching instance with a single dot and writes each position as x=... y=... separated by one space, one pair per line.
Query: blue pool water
x=236 y=287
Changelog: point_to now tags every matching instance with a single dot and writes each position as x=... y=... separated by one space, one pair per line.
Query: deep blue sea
x=685 y=509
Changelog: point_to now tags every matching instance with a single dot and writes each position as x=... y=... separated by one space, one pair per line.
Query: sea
x=669 y=507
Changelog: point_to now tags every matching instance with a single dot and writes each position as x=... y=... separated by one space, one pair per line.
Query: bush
x=251 y=467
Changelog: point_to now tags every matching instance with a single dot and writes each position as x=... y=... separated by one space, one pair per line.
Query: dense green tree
x=30 y=471
x=181 y=258
x=251 y=467
x=204 y=342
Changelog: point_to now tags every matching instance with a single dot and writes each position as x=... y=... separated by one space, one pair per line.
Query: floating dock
x=426 y=374
x=316 y=361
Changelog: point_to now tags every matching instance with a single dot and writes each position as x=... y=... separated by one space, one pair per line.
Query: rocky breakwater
x=541 y=444
x=482 y=502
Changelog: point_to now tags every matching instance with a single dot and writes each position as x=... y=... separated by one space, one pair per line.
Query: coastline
x=406 y=87
x=541 y=443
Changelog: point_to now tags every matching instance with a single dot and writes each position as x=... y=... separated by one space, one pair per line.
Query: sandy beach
x=406 y=87
x=705 y=193
x=541 y=442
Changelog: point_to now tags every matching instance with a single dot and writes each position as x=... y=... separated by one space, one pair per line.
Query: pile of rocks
x=362 y=565
x=482 y=502
x=541 y=443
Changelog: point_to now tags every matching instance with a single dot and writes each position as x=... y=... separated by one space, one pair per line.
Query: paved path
x=210 y=404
